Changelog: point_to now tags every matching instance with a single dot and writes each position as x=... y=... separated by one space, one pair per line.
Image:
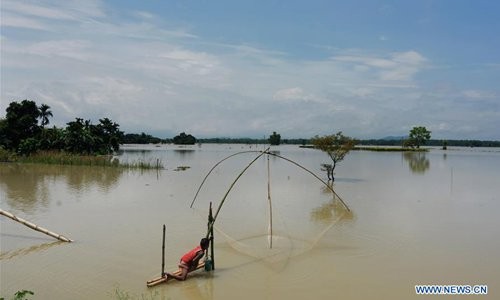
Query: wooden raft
x=165 y=279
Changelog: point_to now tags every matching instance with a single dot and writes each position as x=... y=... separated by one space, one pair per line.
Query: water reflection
x=184 y=153
x=332 y=211
x=24 y=251
x=28 y=186
x=417 y=161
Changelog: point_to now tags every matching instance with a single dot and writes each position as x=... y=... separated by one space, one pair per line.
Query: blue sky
x=245 y=69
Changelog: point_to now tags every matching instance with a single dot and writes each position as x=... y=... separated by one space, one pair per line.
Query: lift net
x=274 y=212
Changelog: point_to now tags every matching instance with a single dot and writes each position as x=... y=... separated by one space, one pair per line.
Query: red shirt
x=189 y=256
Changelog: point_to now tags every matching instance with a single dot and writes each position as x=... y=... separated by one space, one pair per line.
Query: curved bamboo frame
x=246 y=168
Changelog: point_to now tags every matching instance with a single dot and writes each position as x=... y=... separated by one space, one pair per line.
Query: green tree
x=419 y=135
x=108 y=134
x=143 y=138
x=85 y=138
x=3 y=133
x=52 y=139
x=184 y=139
x=275 y=139
x=21 y=123
x=78 y=137
x=336 y=146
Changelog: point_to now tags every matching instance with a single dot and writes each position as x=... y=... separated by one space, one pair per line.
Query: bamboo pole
x=270 y=229
x=210 y=221
x=34 y=226
x=163 y=252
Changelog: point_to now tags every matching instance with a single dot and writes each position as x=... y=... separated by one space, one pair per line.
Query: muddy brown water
x=417 y=218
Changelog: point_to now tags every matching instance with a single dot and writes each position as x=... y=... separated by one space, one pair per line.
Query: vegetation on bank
x=65 y=158
x=24 y=132
x=24 y=137
x=142 y=138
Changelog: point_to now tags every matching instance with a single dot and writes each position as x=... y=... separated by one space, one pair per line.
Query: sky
x=370 y=69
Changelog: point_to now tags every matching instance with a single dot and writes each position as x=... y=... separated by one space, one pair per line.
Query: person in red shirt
x=190 y=260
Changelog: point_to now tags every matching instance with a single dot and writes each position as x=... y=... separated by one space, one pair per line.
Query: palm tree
x=44 y=114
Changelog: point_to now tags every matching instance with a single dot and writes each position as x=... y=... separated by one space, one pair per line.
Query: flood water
x=415 y=218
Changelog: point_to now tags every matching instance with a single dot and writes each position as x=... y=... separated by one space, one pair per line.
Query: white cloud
x=294 y=94
x=186 y=59
x=477 y=94
x=144 y=14
x=76 y=49
x=367 y=61
x=148 y=76
x=12 y=20
x=40 y=14
x=398 y=66
x=33 y=10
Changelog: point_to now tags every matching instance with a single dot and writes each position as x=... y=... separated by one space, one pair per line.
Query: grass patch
x=389 y=149
x=379 y=149
x=64 y=158
x=20 y=295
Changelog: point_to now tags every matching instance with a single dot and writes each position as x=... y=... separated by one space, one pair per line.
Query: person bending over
x=190 y=260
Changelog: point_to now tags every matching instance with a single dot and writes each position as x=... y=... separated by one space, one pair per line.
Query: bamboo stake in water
x=34 y=226
x=163 y=252
x=210 y=221
x=270 y=229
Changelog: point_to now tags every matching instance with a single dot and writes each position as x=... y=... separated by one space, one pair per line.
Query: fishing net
x=273 y=211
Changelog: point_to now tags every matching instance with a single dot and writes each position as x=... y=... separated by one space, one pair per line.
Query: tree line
x=143 y=138
x=432 y=142
x=24 y=131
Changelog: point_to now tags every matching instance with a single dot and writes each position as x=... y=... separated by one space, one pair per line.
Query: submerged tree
x=184 y=139
x=419 y=135
x=275 y=139
x=336 y=146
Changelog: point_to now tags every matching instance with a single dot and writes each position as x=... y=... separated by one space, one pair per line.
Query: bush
x=6 y=155
x=28 y=146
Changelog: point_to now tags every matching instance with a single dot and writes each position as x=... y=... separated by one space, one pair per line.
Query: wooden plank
x=159 y=280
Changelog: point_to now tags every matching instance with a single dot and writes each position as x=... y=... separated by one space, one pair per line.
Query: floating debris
x=182 y=168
